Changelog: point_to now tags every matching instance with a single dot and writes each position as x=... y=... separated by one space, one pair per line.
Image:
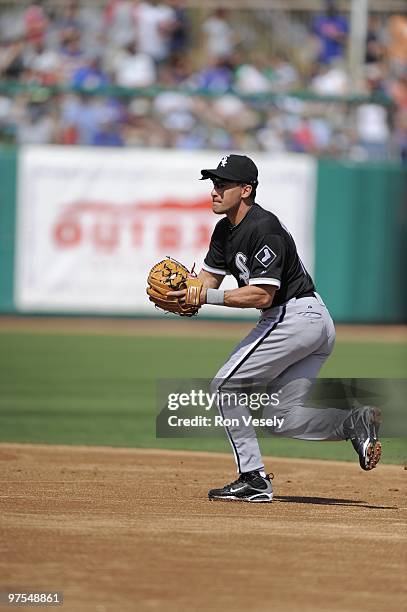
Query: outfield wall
x=8 y=186
x=80 y=227
x=361 y=248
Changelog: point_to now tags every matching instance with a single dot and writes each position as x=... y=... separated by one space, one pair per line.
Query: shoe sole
x=256 y=499
x=373 y=448
x=373 y=454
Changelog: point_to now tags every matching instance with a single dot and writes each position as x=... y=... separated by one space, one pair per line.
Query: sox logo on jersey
x=240 y=261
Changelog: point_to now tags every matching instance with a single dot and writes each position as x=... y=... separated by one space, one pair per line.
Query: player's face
x=226 y=196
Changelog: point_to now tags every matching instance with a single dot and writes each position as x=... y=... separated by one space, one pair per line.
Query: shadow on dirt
x=328 y=501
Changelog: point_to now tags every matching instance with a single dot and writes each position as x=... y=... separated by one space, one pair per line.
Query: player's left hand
x=181 y=295
x=178 y=294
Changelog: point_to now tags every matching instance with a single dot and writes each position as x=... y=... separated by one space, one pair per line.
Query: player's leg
x=280 y=339
x=252 y=485
x=301 y=340
x=300 y=419
x=292 y=342
x=305 y=421
x=231 y=381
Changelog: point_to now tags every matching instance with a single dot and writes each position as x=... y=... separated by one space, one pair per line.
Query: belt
x=307 y=294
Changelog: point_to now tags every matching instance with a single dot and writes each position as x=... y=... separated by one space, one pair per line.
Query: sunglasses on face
x=218 y=184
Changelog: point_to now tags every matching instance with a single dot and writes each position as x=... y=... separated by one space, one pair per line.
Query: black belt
x=307 y=294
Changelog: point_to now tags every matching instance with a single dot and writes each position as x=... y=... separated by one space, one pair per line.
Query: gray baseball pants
x=289 y=345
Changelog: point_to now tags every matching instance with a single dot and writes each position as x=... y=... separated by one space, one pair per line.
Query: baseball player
x=291 y=341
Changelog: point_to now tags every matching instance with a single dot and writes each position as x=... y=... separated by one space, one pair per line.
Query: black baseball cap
x=239 y=168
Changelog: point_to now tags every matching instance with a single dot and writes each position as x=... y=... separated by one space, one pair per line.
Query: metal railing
x=13 y=88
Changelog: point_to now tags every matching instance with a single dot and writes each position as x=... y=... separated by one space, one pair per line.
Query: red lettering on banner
x=108 y=227
x=169 y=236
x=68 y=233
x=203 y=236
x=136 y=234
x=106 y=236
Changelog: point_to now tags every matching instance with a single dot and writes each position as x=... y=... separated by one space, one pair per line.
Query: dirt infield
x=174 y=326
x=132 y=530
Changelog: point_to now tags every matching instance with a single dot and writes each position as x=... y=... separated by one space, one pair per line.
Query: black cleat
x=361 y=427
x=249 y=487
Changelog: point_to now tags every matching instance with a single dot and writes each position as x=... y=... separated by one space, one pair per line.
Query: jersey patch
x=265 y=256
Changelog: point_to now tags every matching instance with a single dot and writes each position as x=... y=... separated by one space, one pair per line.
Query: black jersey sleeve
x=215 y=258
x=267 y=259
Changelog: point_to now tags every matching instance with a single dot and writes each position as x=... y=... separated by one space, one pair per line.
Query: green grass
x=87 y=389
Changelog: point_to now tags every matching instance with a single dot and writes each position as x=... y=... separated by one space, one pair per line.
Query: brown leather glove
x=170 y=275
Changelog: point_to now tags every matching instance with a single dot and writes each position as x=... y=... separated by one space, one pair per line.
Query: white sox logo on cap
x=235 y=168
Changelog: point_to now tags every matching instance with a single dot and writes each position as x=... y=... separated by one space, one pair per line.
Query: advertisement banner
x=92 y=222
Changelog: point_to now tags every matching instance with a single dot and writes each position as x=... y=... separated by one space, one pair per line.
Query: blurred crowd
x=202 y=79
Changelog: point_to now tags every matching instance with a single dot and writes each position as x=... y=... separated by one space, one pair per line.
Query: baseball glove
x=170 y=275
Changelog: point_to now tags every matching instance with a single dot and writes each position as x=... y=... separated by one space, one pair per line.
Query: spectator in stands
x=120 y=23
x=175 y=111
x=219 y=37
x=375 y=50
x=215 y=77
x=330 y=79
x=331 y=30
x=42 y=62
x=132 y=68
x=230 y=110
x=90 y=75
x=38 y=124
x=155 y=23
x=108 y=134
x=398 y=93
x=302 y=138
x=53 y=47
x=251 y=77
x=69 y=19
x=71 y=54
x=282 y=73
x=179 y=38
x=12 y=59
x=87 y=115
x=142 y=128
x=397 y=45
x=36 y=23
x=373 y=131
x=176 y=71
x=95 y=38
x=270 y=135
